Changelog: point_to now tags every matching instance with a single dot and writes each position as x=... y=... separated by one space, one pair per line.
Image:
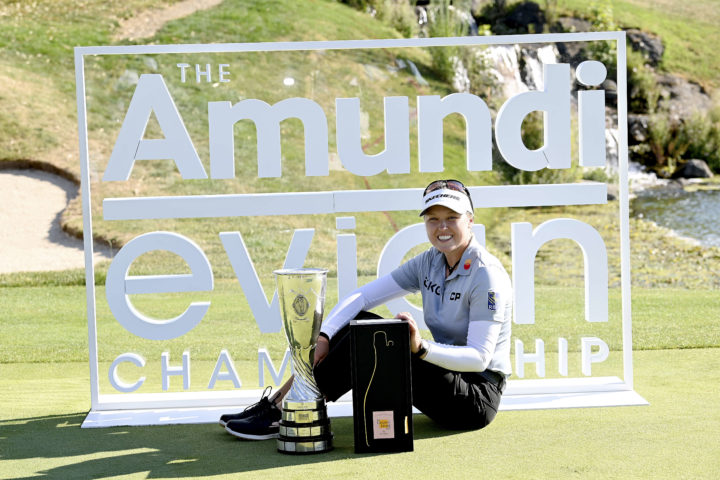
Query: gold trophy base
x=305 y=427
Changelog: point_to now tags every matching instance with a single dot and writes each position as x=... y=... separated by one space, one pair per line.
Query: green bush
x=400 y=15
x=703 y=134
x=666 y=143
x=602 y=20
x=672 y=142
x=482 y=83
x=599 y=174
x=551 y=13
x=644 y=92
x=491 y=13
x=443 y=22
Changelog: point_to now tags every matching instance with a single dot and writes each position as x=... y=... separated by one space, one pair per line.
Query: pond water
x=690 y=214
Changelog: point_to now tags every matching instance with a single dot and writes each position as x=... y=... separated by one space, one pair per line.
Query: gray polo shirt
x=479 y=289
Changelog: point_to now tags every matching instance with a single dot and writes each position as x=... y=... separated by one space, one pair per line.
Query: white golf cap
x=452 y=199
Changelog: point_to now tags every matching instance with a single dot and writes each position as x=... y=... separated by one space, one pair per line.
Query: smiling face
x=448 y=231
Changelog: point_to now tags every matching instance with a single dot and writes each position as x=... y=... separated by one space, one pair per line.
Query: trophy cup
x=305 y=426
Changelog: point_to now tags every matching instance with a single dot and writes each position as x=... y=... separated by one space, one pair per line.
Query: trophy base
x=305 y=427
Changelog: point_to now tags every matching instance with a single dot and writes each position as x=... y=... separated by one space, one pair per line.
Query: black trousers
x=457 y=400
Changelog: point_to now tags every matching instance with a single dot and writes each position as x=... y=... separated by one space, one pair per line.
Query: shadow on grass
x=160 y=451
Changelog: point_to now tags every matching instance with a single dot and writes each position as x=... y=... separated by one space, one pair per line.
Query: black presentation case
x=382 y=387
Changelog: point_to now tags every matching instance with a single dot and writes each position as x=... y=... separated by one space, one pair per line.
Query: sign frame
x=196 y=407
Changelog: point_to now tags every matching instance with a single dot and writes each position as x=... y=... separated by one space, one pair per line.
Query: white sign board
x=201 y=160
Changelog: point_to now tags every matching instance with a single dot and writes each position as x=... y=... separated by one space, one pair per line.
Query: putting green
x=43 y=405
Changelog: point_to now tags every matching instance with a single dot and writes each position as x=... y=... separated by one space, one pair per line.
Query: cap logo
x=442 y=195
x=451 y=199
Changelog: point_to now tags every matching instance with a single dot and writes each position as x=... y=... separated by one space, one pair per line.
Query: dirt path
x=31 y=239
x=145 y=24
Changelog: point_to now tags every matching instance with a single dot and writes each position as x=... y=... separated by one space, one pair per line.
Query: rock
x=681 y=97
x=532 y=58
x=612 y=192
x=610 y=88
x=421 y=14
x=128 y=79
x=526 y=17
x=694 y=168
x=476 y=6
x=637 y=129
x=677 y=184
x=460 y=81
x=612 y=147
x=151 y=63
x=572 y=24
x=571 y=52
x=649 y=44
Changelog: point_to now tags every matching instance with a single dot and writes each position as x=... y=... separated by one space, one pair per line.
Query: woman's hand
x=415 y=338
x=322 y=347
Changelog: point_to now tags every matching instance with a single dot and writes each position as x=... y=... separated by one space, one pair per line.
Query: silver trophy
x=305 y=426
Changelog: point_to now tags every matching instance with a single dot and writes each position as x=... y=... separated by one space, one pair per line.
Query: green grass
x=42 y=324
x=673 y=437
x=688 y=31
x=45 y=387
x=49 y=324
x=38 y=73
x=43 y=360
x=46 y=392
x=37 y=69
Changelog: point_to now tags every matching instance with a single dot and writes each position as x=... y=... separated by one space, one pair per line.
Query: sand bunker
x=31 y=239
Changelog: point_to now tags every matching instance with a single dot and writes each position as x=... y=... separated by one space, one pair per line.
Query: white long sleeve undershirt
x=366 y=297
x=473 y=357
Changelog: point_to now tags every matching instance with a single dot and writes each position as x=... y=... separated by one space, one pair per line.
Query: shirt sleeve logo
x=491 y=301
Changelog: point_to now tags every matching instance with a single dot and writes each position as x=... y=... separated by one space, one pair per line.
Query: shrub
x=643 y=88
x=666 y=143
x=478 y=65
x=443 y=22
x=492 y=13
x=703 y=133
x=551 y=13
x=602 y=21
x=599 y=174
x=671 y=142
x=400 y=15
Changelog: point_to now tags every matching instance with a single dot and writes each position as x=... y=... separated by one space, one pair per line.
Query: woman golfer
x=458 y=378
